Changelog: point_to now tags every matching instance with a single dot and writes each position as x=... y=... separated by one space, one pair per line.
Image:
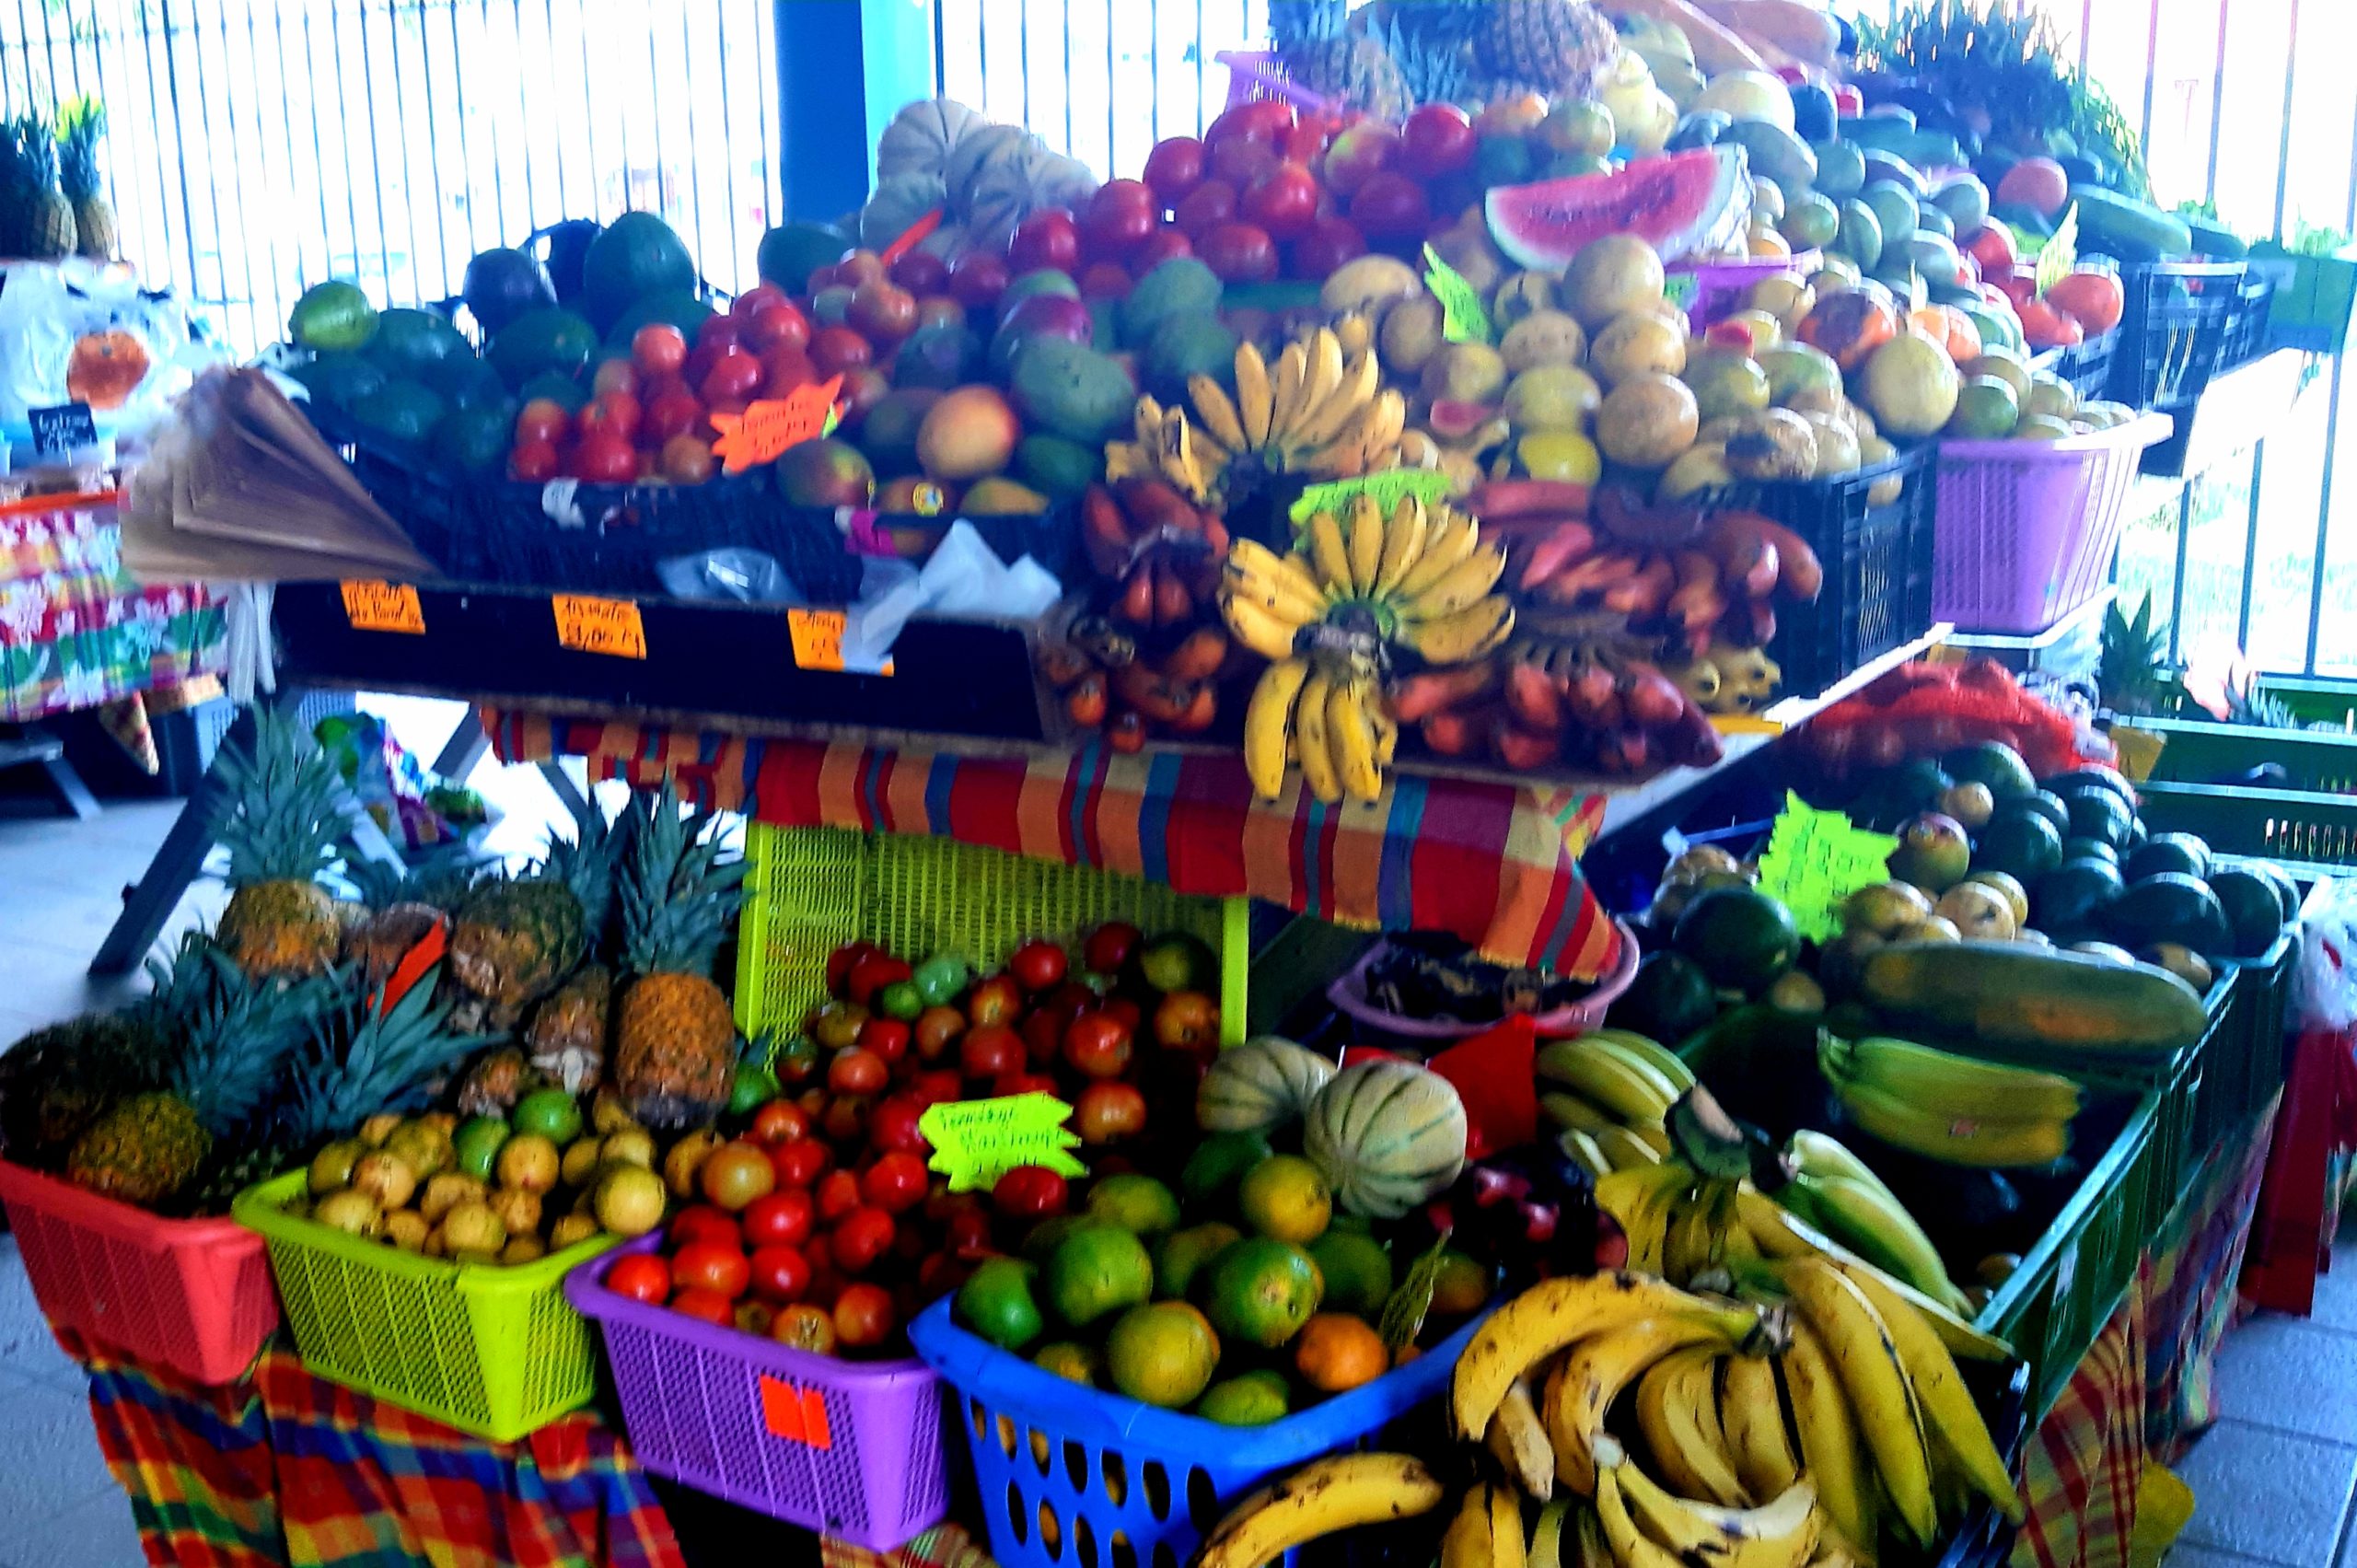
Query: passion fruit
x=1611 y=276
x=1635 y=345
x=1647 y=421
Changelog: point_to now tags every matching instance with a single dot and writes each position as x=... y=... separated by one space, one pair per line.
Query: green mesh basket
x=494 y=1350
x=809 y=890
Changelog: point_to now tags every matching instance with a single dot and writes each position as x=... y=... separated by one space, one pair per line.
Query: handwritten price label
x=1463 y=319
x=383 y=607
x=589 y=625
x=975 y=1142
x=1815 y=859
x=767 y=428
x=1388 y=488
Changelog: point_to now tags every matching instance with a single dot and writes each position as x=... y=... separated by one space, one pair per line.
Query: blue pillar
x=844 y=69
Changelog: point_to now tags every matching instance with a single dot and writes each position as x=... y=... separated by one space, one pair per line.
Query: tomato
x=805 y=1326
x=643 y=1277
x=1239 y=252
x=779 y=1273
x=1309 y=137
x=935 y=1086
x=1390 y=207
x=936 y=1031
x=1437 y=139
x=1108 y=1111
x=671 y=413
x=1109 y=946
x=776 y=326
x=893 y=1124
x=800 y=1163
x=1358 y=155
x=1047 y=238
x=992 y=1049
x=1187 y=1020
x=784 y=369
x=1262 y=120
x=901 y=1001
x=1205 y=208
x=976 y=279
x=756 y=1317
x=994 y=1001
x=707 y=1265
x=845 y=1119
x=858 y=267
x=896 y=1182
x=543 y=419
x=1329 y=244
x=1173 y=168
x=734 y=376
x=1122 y=215
x=1241 y=162
x=778 y=1122
x=779 y=1219
x=1037 y=964
x=1122 y=1009
x=1991 y=244
x=883 y=311
x=1029 y=1192
x=863 y=1317
x=686 y=459
x=735 y=1174
x=1284 y=202
x=967 y=1234
x=701 y=1222
x=1010 y=1084
x=837 y=1195
x=872 y=974
x=616 y=411
x=615 y=375
x=860 y=1238
x=534 y=461
x=837 y=348
x=1043 y=1034
x=604 y=458
x=709 y=1304
x=795 y=1061
x=754 y=298
x=840 y=962
x=1167 y=245
x=2095 y=299
x=719 y=332
x=658 y=348
x=1097 y=1045
x=858 y=1072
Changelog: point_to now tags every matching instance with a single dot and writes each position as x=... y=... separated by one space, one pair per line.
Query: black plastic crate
x=2246 y=324
x=1878 y=559
x=2174 y=331
x=2085 y=366
x=416 y=490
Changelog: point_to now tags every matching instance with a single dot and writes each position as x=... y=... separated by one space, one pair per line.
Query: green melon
x=1261 y=1084
x=1387 y=1135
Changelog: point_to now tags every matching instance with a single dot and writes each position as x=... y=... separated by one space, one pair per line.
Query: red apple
x=1358 y=154
x=1173 y=168
x=1047 y=238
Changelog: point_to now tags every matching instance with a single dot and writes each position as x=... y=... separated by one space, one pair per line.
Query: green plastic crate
x=498 y=1352
x=809 y=890
x=2309 y=826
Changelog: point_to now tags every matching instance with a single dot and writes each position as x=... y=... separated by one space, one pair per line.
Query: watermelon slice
x=1682 y=203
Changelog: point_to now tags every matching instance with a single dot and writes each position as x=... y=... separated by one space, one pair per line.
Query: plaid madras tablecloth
x=1496 y=864
x=2081 y=1467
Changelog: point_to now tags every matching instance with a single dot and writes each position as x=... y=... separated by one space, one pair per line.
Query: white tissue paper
x=964 y=578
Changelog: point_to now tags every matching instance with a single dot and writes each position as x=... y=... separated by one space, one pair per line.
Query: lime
x=551 y=1113
x=333 y=314
x=1179 y=1260
x=1097 y=1268
x=901 y=1000
x=753 y=1087
x=940 y=978
x=1139 y=1204
x=477 y=1144
x=1286 y=1197
x=1218 y=1163
x=1073 y=1362
x=1986 y=409
x=1262 y=1291
x=1356 y=1268
x=996 y=1302
x=1162 y=1354
x=1255 y=1399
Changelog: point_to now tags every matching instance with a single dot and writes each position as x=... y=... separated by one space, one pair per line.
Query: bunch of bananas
x=1609 y=1093
x=1951 y=1108
x=1321 y=411
x=1834 y=1190
x=1334 y=1493
x=1327 y=615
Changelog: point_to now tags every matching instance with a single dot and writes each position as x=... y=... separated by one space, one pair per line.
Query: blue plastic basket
x=1071 y=1475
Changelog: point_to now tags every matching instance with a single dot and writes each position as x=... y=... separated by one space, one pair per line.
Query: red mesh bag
x=1923 y=708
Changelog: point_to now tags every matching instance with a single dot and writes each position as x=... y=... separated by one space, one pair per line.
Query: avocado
x=1179 y=284
x=2098 y=813
x=2105 y=778
x=1189 y=342
x=1669 y=999
x=1055 y=466
x=2038 y=802
x=942 y=356
x=2254 y=913
x=2169 y=852
x=2084 y=849
x=2024 y=846
x=1070 y=389
x=1991 y=762
x=2070 y=903
x=2169 y=907
x=1774 y=152
x=339 y=379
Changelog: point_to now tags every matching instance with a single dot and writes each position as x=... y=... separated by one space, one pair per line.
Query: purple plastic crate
x=1254 y=75
x=1720 y=286
x=850 y=1448
x=2026 y=530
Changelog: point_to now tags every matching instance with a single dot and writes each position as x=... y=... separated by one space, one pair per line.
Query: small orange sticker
x=794 y=1413
x=769 y=427
x=373 y=605
x=592 y=625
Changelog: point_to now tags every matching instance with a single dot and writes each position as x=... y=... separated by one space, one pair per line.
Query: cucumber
x=2028 y=998
x=2131 y=230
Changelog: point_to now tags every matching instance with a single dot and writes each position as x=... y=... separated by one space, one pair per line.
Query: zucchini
x=2028 y=998
x=2131 y=230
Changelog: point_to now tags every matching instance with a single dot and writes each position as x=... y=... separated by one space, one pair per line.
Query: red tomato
x=671 y=413
x=992 y=1049
x=1047 y=238
x=1262 y=120
x=720 y=332
x=1037 y=964
x=896 y=1182
x=776 y=326
x=604 y=458
x=708 y=1305
x=1123 y=1010
x=860 y=1238
x=2094 y=299
x=863 y=1317
x=779 y=1219
x=967 y=1234
x=1029 y=1192
x=1109 y=946
x=1437 y=139
x=937 y=1087
x=837 y=348
x=1358 y=155
x=779 y=1273
x=893 y=1124
x=872 y=974
x=754 y=298
x=734 y=376
x=1121 y=217
x=1173 y=168
x=1204 y=208
x=1043 y=1034
x=1390 y=207
x=615 y=375
x=702 y=1222
x=887 y=1038
x=1240 y=162
x=783 y=369
x=837 y=1195
x=643 y=1277
x=1239 y=252
x=1097 y=1045
x=735 y=1174
x=1167 y=245
x=800 y=1163
x=779 y=1121
x=1009 y=1084
x=1187 y=1020
x=845 y=1118
x=1283 y=202
x=707 y=1265
x=936 y=1031
x=688 y=459
x=805 y=1326
x=1108 y=1111
x=994 y=1001
x=615 y=412
x=1329 y=244
x=858 y=1072
x=1991 y=244
x=840 y=962
x=534 y=461
x=542 y=419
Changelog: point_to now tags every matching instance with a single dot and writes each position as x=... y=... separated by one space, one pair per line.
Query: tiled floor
x=2274 y=1482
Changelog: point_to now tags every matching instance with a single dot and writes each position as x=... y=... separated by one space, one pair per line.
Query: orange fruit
x=1162 y=1354
x=1261 y=1291
x=1336 y=1351
x=1460 y=1288
x=1286 y=1197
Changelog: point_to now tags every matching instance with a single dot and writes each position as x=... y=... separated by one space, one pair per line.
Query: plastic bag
x=964 y=577
x=77 y=331
x=732 y=576
x=2324 y=987
x=414 y=809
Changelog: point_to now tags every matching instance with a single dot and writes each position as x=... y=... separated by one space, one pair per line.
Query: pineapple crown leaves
x=282 y=807
x=81 y=121
x=360 y=1060
x=233 y=1036
x=587 y=861
x=31 y=152
x=1295 y=23
x=678 y=894
x=439 y=877
x=2130 y=671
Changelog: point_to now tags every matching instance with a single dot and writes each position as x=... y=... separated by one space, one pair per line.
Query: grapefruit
x=1610 y=276
x=1286 y=1197
x=1097 y=1269
x=1647 y=420
x=1910 y=386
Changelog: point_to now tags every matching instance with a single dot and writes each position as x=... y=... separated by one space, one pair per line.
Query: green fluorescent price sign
x=1463 y=319
x=1390 y=488
x=975 y=1142
x=1815 y=859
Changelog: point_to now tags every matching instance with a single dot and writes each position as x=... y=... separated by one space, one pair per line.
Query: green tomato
x=940 y=979
x=901 y=1000
x=753 y=1087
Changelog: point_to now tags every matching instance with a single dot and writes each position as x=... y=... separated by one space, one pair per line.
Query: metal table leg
x=148 y=902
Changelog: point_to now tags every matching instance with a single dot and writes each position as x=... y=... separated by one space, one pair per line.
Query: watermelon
x=1682 y=203
x=1387 y=1135
x=1261 y=1084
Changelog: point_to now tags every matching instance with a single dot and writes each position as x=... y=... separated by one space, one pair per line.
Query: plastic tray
x=850 y=1448
x=1877 y=593
x=496 y=1352
x=2202 y=784
x=1348 y=993
x=809 y=890
x=2027 y=531
x=1092 y=1467
x=190 y=1295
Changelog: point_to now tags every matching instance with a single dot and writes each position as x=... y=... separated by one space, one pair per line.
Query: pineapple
x=41 y=219
x=675 y=1038
x=1347 y=66
x=56 y=1081
x=2132 y=674
x=497 y=1080
x=281 y=811
x=80 y=122
x=1554 y=47
x=568 y=1035
x=377 y=945
x=362 y=1062
x=509 y=944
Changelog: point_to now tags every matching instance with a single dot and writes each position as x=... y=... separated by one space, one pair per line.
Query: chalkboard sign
x=59 y=430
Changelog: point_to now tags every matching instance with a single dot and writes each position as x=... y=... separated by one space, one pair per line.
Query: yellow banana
x=1253 y=396
x=1585 y=1546
x=1464 y=637
x=1751 y=1412
x=1356 y=332
x=1275 y=591
x=1876 y=1382
x=1966 y=1086
x=1942 y=1135
x=1567 y=1109
x=1351 y=738
x=1257 y=628
x=1449 y=539
x=1627 y=1147
x=1780 y=1533
x=1950 y=1417
x=1591 y=1376
x=1517 y=1440
x=1324 y=1496
x=1553 y=1313
x=1547 y=1541
x=1321 y=380
x=1868 y=1216
x=1462 y=586
x=1387 y=729
x=1288 y=573
x=1691 y=1244
x=1317 y=770
x=1639 y=1197
x=1354 y=388
x=1217 y=412
x=1582 y=1149
x=1630 y=1090
x=1678 y=1412
x=1268 y=719
x=1145 y=423
x=1285 y=383
x=1661 y=1060
x=1364 y=537
x=1403 y=541
x=1329 y=555
x=1486 y=1532
x=1832 y=1453
x=1631 y=1547
x=1782 y=1236
x=1379 y=447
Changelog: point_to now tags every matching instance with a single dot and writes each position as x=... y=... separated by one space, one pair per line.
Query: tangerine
x=1286 y=1197
x=1338 y=1352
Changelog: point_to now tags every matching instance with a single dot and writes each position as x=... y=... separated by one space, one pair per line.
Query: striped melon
x=1387 y=1135
x=1263 y=1083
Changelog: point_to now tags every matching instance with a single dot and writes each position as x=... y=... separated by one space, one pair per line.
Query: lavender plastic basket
x=1255 y=74
x=2026 y=530
x=1719 y=287
x=850 y=1448
x=1348 y=993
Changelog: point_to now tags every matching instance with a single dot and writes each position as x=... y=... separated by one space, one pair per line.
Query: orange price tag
x=769 y=427
x=796 y=1413
x=592 y=625
x=373 y=605
x=818 y=637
